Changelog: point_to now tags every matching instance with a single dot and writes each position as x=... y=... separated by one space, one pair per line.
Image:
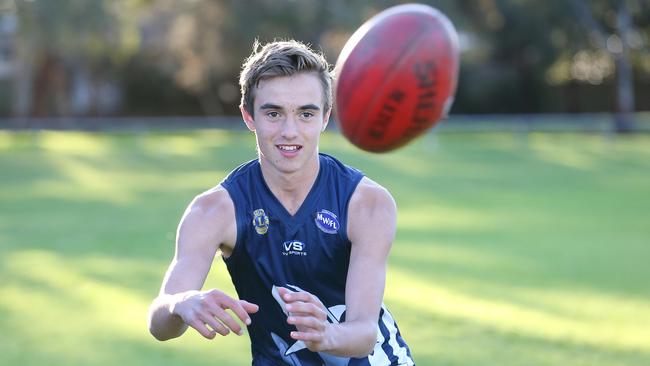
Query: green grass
x=511 y=250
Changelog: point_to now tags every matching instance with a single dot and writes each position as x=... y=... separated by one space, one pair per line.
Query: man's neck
x=291 y=189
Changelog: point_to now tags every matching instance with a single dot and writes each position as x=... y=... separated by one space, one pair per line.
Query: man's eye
x=307 y=114
x=273 y=114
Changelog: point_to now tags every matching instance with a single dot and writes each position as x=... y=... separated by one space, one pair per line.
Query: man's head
x=282 y=58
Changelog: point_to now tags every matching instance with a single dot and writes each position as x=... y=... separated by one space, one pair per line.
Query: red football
x=396 y=77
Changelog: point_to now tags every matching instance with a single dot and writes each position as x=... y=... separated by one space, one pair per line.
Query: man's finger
x=306 y=322
x=306 y=309
x=249 y=306
x=223 y=301
x=307 y=336
x=215 y=324
x=202 y=329
x=291 y=296
x=301 y=296
x=238 y=308
x=227 y=320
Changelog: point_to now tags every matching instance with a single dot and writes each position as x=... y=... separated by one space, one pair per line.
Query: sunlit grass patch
x=510 y=250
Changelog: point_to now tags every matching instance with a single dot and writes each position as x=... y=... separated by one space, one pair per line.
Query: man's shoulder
x=370 y=196
x=368 y=189
x=210 y=217
x=212 y=201
x=372 y=213
x=207 y=208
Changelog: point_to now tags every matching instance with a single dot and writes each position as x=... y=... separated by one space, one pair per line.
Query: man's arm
x=207 y=224
x=372 y=217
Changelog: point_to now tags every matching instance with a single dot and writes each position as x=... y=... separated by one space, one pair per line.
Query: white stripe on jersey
x=378 y=356
x=399 y=351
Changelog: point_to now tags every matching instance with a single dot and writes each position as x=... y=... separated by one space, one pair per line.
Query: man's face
x=289 y=118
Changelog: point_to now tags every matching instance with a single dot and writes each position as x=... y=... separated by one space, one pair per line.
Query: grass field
x=511 y=250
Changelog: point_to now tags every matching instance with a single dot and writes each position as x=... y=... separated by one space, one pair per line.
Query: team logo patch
x=294 y=247
x=260 y=221
x=327 y=222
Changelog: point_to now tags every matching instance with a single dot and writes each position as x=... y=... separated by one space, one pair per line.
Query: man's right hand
x=205 y=311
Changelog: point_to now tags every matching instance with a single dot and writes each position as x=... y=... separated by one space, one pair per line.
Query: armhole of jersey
x=355 y=183
x=239 y=222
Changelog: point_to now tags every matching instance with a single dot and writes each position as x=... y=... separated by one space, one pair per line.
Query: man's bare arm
x=207 y=224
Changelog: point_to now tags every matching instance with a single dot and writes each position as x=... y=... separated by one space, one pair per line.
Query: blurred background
x=73 y=59
x=523 y=229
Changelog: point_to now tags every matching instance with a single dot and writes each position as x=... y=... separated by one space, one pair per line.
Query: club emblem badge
x=260 y=221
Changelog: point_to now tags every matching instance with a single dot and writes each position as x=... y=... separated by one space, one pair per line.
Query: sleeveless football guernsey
x=307 y=251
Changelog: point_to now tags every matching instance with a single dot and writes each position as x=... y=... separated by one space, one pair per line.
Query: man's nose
x=290 y=127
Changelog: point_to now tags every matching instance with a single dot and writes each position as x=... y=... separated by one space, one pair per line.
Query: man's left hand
x=308 y=314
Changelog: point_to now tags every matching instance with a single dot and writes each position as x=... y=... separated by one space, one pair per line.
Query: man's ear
x=248 y=119
x=326 y=119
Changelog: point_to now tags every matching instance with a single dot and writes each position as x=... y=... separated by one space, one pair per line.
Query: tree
x=61 y=43
x=523 y=50
x=617 y=38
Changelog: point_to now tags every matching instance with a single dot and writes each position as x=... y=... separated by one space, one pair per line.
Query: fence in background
x=590 y=123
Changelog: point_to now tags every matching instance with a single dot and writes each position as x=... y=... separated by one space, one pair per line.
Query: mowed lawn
x=511 y=249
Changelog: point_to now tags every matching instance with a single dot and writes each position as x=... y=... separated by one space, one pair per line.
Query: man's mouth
x=289 y=148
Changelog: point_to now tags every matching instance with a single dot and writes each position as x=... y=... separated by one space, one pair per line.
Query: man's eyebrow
x=309 y=106
x=270 y=106
x=302 y=107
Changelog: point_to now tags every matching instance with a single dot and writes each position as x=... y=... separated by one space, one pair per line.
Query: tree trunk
x=624 y=120
x=23 y=75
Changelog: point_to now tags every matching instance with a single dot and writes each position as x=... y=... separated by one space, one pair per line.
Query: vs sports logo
x=294 y=247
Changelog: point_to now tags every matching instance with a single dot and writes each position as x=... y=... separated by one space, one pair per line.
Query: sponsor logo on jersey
x=327 y=222
x=294 y=247
x=260 y=221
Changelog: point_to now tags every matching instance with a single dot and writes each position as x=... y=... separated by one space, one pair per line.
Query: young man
x=304 y=237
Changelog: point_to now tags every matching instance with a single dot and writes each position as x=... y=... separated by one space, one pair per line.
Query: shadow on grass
x=515 y=260
x=87 y=230
x=449 y=340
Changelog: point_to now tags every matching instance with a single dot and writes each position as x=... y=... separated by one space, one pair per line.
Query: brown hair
x=282 y=58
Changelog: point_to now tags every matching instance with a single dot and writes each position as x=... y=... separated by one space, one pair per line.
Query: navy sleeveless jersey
x=307 y=251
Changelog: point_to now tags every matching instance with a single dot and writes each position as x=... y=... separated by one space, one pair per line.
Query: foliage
x=519 y=56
